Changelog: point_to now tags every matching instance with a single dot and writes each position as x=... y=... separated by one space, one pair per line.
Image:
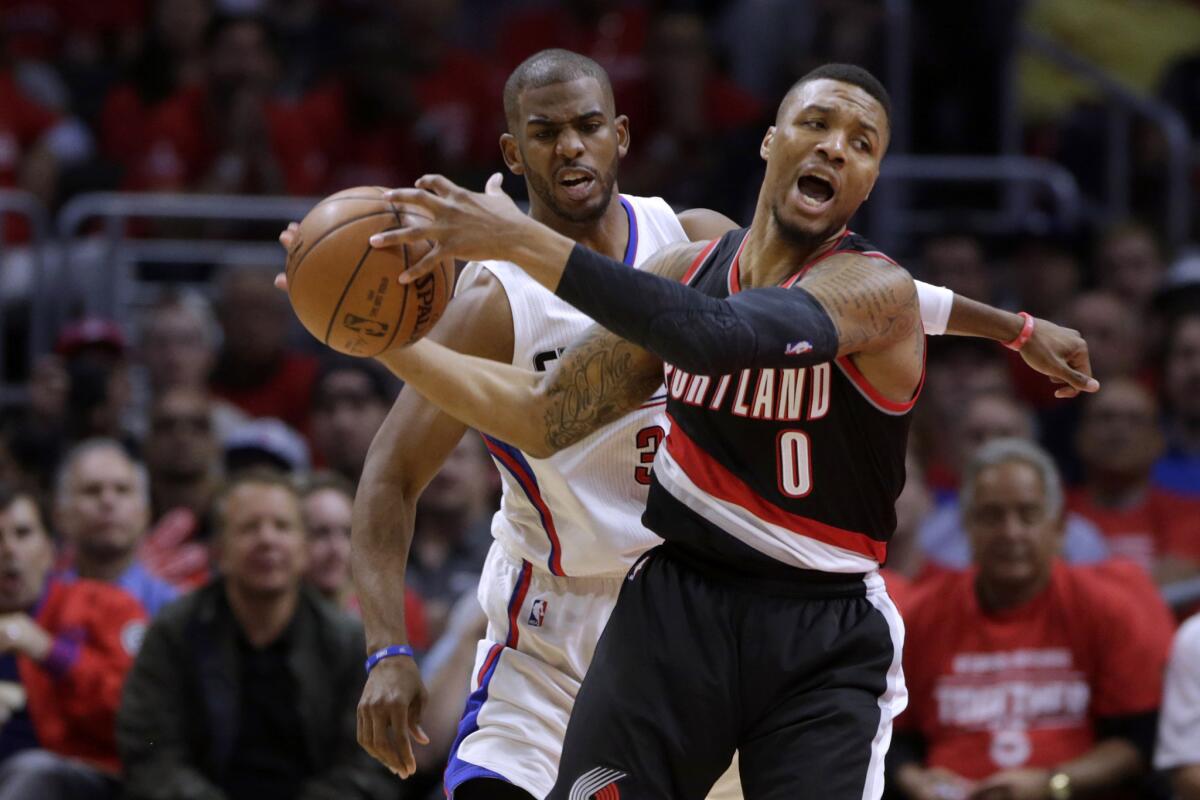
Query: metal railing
x=1058 y=206
x=114 y=251
x=1124 y=104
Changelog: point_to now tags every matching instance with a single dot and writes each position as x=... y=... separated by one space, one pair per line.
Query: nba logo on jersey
x=537 y=613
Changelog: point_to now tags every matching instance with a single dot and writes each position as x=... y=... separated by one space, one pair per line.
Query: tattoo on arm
x=598 y=380
x=872 y=305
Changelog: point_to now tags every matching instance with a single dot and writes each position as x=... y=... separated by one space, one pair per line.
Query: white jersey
x=578 y=513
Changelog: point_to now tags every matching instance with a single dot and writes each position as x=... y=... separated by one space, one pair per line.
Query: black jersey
x=799 y=466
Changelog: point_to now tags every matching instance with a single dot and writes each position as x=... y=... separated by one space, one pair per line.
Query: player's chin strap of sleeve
x=696 y=333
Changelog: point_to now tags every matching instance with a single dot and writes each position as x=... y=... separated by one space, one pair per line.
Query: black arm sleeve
x=688 y=329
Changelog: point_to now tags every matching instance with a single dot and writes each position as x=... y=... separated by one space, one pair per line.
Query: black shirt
x=269 y=760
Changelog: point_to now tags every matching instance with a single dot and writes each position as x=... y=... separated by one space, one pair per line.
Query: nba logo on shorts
x=537 y=613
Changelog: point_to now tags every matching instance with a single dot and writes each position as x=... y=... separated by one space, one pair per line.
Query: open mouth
x=814 y=192
x=577 y=183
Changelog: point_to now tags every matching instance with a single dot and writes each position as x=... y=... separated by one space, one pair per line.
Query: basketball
x=345 y=292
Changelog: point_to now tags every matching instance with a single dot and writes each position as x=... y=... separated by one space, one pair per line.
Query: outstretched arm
x=600 y=378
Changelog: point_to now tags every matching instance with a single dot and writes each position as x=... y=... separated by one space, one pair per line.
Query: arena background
x=1045 y=157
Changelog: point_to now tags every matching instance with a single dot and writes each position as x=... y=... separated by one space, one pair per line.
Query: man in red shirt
x=1028 y=677
x=1118 y=443
x=65 y=647
x=229 y=134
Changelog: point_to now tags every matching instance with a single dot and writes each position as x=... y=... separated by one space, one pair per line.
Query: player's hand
x=287 y=238
x=1014 y=784
x=470 y=226
x=1062 y=355
x=389 y=714
x=933 y=783
x=20 y=634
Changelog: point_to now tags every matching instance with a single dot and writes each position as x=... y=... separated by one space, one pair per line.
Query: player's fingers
x=281 y=281
x=380 y=746
x=423 y=266
x=395 y=237
x=415 y=712
x=439 y=185
x=400 y=748
x=418 y=198
x=365 y=732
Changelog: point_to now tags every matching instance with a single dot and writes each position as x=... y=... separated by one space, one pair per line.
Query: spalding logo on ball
x=346 y=293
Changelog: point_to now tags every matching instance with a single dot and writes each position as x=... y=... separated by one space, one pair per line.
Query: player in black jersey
x=793 y=353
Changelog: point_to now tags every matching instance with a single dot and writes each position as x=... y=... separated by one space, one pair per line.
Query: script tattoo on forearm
x=597 y=381
x=871 y=306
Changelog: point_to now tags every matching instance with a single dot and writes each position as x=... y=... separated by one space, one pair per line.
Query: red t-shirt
x=1023 y=687
x=1164 y=524
x=73 y=695
x=180 y=147
x=286 y=393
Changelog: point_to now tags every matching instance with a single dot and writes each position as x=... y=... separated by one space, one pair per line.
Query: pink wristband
x=1023 y=336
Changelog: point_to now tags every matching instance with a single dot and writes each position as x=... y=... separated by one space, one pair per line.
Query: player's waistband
x=789 y=582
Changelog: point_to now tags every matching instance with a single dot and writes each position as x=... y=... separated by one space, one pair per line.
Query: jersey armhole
x=686 y=280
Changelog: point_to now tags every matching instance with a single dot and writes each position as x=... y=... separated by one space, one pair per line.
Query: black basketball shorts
x=692 y=666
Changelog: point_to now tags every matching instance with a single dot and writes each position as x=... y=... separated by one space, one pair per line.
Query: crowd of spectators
x=177 y=617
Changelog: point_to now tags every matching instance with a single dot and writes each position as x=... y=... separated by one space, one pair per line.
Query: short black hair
x=854 y=75
x=546 y=68
x=382 y=385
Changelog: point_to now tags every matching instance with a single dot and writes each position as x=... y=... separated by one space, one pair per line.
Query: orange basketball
x=345 y=292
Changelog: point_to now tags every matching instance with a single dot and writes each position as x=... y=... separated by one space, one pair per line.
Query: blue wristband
x=388 y=652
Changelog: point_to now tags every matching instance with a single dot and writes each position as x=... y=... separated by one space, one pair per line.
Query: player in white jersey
x=569 y=527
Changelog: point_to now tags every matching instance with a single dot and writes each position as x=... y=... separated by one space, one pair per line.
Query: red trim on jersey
x=492 y=655
x=714 y=479
x=735 y=271
x=874 y=395
x=515 y=463
x=695 y=267
x=833 y=250
x=515 y=602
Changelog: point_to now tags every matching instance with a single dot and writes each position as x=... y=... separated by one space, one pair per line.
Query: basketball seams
x=346 y=290
x=300 y=259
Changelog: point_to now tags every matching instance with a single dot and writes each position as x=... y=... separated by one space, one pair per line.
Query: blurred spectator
x=265 y=442
x=696 y=131
x=178 y=345
x=1045 y=276
x=255 y=369
x=328 y=506
x=230 y=134
x=780 y=52
x=35 y=141
x=943 y=535
x=327 y=502
x=171 y=56
x=247 y=688
x=904 y=563
x=1119 y=440
x=1130 y=264
x=1179 y=721
x=365 y=114
x=613 y=32
x=1179 y=292
x=94 y=355
x=102 y=509
x=957 y=369
x=957 y=262
x=1179 y=469
x=351 y=397
x=183 y=461
x=452 y=532
x=65 y=646
x=1025 y=673
x=1110 y=325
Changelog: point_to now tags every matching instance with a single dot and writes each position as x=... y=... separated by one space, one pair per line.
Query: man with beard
x=761 y=626
x=568 y=530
